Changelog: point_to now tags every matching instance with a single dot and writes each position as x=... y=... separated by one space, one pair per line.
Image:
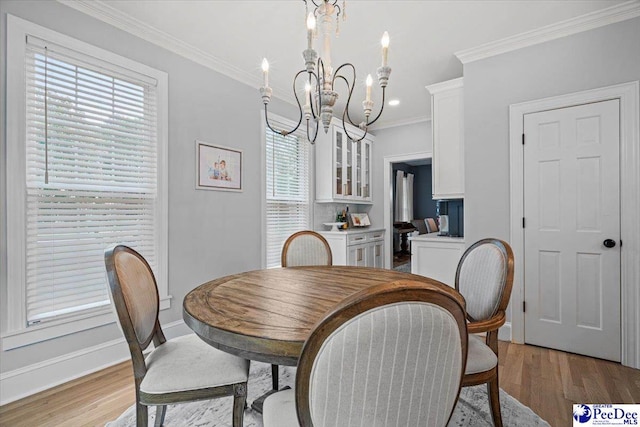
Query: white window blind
x=288 y=200
x=91 y=176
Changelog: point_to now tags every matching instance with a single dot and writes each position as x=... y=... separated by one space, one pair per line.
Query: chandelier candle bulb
x=311 y=25
x=265 y=71
x=369 y=83
x=385 y=48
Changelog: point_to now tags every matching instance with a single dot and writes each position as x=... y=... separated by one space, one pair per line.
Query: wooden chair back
x=485 y=277
x=134 y=293
x=306 y=248
x=384 y=341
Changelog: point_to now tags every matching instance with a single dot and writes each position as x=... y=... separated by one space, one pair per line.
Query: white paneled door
x=572 y=229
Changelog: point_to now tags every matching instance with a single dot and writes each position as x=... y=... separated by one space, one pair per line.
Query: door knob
x=609 y=243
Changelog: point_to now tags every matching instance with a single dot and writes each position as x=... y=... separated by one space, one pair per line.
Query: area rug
x=405 y=268
x=472 y=409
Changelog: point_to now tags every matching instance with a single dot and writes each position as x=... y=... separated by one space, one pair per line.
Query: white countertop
x=352 y=230
x=433 y=237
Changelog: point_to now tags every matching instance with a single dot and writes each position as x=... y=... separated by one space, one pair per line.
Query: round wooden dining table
x=266 y=315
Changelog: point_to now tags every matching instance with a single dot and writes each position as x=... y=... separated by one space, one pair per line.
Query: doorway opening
x=408 y=195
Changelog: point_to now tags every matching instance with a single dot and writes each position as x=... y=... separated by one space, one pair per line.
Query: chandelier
x=320 y=94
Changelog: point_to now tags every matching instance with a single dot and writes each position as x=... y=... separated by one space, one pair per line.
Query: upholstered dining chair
x=393 y=354
x=306 y=248
x=183 y=369
x=485 y=277
x=302 y=248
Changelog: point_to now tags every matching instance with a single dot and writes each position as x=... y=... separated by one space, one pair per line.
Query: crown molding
x=589 y=21
x=112 y=16
x=402 y=122
x=446 y=85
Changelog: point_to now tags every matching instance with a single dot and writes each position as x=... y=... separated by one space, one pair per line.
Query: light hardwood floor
x=547 y=381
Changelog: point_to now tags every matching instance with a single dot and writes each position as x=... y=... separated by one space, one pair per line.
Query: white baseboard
x=504 y=333
x=41 y=376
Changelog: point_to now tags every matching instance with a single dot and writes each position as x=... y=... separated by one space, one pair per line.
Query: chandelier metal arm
x=312 y=141
x=311 y=103
x=350 y=87
x=346 y=132
x=320 y=71
x=335 y=3
x=285 y=132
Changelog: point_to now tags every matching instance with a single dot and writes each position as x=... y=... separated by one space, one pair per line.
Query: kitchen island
x=436 y=256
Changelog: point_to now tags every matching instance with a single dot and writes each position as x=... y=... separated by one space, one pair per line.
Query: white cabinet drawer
x=375 y=235
x=356 y=239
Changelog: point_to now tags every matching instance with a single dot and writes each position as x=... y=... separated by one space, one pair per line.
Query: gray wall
x=391 y=142
x=203 y=105
x=601 y=57
x=423 y=204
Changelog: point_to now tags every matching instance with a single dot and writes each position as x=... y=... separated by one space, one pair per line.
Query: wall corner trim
x=37 y=377
x=611 y=15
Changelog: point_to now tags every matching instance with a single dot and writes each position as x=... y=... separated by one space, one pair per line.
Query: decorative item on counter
x=334 y=225
x=345 y=218
x=360 y=219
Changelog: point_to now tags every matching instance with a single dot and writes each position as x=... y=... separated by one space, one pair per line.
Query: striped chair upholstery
x=302 y=248
x=306 y=248
x=485 y=277
x=481 y=279
x=379 y=361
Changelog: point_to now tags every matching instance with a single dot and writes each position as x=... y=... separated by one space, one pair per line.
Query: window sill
x=56 y=329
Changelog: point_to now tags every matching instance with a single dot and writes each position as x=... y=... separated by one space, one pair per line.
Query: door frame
x=628 y=95
x=388 y=197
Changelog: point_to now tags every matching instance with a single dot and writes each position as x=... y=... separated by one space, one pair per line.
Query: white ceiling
x=424 y=37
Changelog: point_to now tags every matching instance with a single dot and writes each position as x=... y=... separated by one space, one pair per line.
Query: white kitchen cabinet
x=356 y=247
x=448 y=139
x=436 y=257
x=358 y=255
x=343 y=167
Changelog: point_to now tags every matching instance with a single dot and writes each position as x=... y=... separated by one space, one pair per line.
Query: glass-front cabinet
x=343 y=167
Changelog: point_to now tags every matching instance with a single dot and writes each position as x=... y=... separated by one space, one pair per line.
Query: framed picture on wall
x=218 y=167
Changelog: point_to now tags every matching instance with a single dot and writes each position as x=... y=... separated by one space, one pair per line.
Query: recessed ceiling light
x=394 y=102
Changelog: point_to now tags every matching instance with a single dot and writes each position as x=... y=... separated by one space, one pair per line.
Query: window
x=288 y=204
x=88 y=166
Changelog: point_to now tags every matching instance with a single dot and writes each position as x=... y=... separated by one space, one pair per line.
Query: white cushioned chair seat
x=188 y=363
x=480 y=357
x=279 y=410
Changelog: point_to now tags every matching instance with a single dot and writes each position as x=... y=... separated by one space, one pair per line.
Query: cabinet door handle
x=358 y=238
x=359 y=254
x=375 y=236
